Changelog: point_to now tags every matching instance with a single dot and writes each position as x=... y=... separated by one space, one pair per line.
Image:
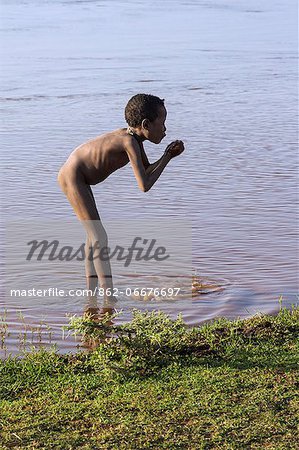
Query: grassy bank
x=155 y=384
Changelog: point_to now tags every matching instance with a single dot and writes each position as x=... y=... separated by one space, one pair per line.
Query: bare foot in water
x=91 y=312
x=98 y=314
x=104 y=312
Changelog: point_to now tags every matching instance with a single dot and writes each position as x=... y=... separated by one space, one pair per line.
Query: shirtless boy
x=94 y=161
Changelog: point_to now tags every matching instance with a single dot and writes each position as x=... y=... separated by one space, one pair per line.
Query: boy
x=95 y=160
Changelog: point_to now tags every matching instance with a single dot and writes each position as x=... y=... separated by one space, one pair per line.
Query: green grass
x=156 y=384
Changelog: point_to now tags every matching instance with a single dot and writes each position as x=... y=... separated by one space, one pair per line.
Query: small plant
x=152 y=340
x=149 y=342
x=27 y=335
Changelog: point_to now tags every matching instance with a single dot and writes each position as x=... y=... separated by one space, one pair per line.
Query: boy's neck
x=134 y=133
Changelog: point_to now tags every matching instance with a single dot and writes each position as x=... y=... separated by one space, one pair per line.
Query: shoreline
x=25 y=330
x=158 y=384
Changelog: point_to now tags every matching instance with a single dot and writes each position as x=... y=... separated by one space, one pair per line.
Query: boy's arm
x=144 y=158
x=145 y=178
x=149 y=168
x=173 y=149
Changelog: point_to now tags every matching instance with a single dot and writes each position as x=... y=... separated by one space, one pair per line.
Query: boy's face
x=156 y=129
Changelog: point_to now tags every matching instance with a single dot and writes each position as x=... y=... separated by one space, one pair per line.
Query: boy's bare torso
x=100 y=157
x=92 y=162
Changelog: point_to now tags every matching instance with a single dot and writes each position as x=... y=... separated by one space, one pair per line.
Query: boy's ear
x=145 y=124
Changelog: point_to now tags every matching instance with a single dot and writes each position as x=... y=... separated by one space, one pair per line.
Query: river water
x=228 y=73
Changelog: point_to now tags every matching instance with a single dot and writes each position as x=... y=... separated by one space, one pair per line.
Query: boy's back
x=99 y=157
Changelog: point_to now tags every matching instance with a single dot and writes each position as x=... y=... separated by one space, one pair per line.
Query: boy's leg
x=99 y=258
x=90 y=271
x=91 y=280
x=81 y=199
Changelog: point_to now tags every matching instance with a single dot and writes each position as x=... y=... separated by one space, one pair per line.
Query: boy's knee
x=99 y=241
x=101 y=236
x=88 y=250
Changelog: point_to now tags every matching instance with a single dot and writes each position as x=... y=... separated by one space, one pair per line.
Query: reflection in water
x=21 y=331
x=97 y=316
x=22 y=328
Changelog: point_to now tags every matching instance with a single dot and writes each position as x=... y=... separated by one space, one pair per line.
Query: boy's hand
x=174 y=149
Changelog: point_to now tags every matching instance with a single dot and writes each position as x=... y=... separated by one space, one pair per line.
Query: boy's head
x=147 y=112
x=142 y=106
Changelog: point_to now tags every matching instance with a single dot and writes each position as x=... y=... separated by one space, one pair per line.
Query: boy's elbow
x=144 y=187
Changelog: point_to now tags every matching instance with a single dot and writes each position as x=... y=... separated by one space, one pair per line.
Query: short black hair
x=142 y=106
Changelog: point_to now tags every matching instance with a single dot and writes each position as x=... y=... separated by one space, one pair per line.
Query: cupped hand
x=175 y=148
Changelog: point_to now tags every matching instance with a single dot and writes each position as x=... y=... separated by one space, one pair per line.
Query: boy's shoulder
x=118 y=139
x=123 y=136
x=115 y=136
